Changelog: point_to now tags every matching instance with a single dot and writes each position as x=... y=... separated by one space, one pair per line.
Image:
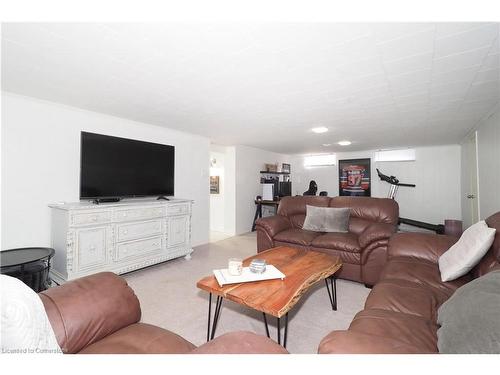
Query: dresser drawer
x=88 y=218
x=140 y=248
x=178 y=209
x=139 y=213
x=133 y=231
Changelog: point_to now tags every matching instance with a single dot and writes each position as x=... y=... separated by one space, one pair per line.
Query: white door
x=470 y=205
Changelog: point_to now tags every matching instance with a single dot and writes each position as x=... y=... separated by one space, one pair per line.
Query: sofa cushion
x=405 y=297
x=140 y=338
x=410 y=329
x=290 y=206
x=423 y=273
x=297 y=236
x=469 y=319
x=351 y=342
x=240 y=342
x=326 y=219
x=339 y=241
x=381 y=210
x=467 y=252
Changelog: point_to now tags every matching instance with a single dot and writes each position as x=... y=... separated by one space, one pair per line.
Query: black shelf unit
x=280 y=173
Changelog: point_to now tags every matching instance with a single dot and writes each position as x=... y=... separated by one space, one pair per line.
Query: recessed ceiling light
x=319 y=130
x=326 y=144
x=344 y=143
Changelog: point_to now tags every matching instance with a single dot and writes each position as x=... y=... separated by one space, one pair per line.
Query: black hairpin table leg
x=332 y=291
x=218 y=306
x=278 y=321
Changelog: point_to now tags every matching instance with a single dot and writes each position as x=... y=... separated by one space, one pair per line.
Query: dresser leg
x=188 y=256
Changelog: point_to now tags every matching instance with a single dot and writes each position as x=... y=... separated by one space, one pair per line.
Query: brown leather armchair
x=400 y=314
x=363 y=249
x=100 y=314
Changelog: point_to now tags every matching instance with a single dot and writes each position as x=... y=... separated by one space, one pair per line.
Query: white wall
x=41 y=164
x=436 y=172
x=249 y=162
x=488 y=149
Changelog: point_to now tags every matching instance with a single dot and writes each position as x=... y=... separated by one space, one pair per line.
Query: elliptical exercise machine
x=395 y=184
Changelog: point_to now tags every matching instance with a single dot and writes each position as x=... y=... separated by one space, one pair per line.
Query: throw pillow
x=326 y=219
x=469 y=319
x=467 y=252
x=25 y=325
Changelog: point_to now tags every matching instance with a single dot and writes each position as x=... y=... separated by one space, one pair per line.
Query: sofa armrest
x=240 y=343
x=376 y=232
x=272 y=225
x=351 y=342
x=90 y=308
x=423 y=246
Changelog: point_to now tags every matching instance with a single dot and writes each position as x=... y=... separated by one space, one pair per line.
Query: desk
x=258 y=209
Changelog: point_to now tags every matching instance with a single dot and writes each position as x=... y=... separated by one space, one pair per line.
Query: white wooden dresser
x=118 y=237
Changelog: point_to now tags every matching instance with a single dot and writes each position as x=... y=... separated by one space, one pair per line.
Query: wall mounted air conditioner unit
x=320 y=160
x=396 y=155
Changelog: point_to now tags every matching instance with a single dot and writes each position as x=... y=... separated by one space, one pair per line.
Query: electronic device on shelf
x=112 y=168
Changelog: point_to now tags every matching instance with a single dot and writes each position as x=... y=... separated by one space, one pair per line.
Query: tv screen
x=112 y=167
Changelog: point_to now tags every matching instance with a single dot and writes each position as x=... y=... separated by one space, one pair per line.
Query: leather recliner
x=101 y=313
x=400 y=314
x=363 y=250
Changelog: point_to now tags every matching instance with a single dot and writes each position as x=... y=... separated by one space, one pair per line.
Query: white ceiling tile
x=420 y=77
x=445 y=29
x=449 y=89
x=459 y=75
x=415 y=44
x=384 y=32
x=460 y=60
x=491 y=61
x=487 y=76
x=409 y=64
x=484 y=91
x=407 y=90
x=472 y=39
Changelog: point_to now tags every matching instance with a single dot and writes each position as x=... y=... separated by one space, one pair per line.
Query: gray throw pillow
x=470 y=320
x=326 y=219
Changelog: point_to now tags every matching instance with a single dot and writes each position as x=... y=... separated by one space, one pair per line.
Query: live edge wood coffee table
x=302 y=269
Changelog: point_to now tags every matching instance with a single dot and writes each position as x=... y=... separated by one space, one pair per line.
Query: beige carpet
x=169 y=298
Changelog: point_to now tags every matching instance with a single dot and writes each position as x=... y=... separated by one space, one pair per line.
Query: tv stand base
x=162 y=197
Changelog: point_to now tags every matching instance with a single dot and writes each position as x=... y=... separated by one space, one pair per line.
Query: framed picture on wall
x=214 y=184
x=355 y=177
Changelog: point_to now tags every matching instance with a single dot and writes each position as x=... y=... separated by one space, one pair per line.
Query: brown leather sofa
x=363 y=250
x=400 y=313
x=101 y=313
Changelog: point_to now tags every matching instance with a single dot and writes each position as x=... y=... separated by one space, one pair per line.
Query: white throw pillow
x=25 y=327
x=467 y=252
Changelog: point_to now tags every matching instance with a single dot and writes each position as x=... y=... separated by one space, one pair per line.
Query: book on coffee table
x=223 y=277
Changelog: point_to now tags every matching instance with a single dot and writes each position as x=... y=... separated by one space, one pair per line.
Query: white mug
x=235 y=266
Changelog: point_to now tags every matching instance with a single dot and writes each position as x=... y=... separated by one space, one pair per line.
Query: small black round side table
x=31 y=265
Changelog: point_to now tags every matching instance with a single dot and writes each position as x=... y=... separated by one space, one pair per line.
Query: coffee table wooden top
x=302 y=269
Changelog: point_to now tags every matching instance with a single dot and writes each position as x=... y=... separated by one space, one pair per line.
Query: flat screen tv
x=112 y=167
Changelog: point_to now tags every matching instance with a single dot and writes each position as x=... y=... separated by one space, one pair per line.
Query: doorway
x=221 y=193
x=470 y=191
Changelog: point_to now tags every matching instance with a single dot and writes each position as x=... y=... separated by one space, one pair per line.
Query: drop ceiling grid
x=357 y=79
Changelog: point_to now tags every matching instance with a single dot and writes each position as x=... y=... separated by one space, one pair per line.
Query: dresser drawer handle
x=94 y=218
x=125 y=231
x=92 y=248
